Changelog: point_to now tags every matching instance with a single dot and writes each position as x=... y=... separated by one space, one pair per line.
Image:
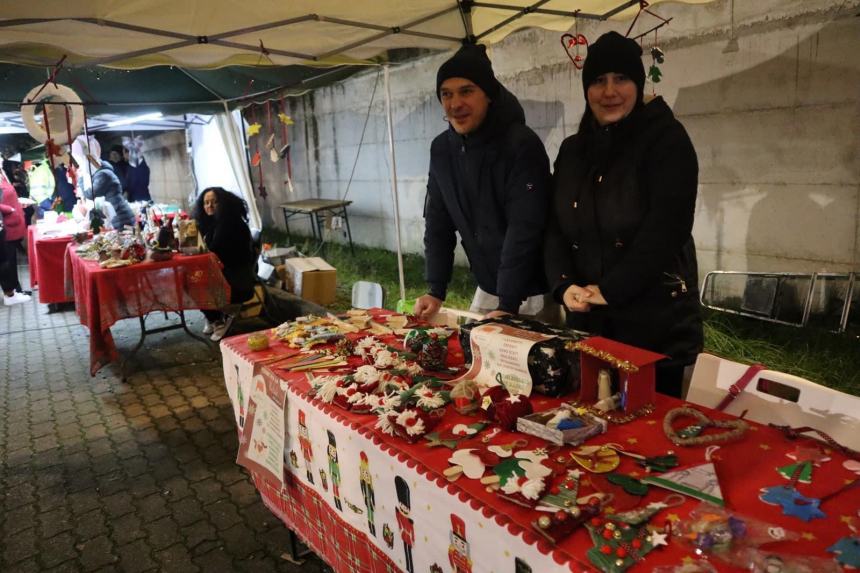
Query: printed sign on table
x=500 y=355
x=261 y=447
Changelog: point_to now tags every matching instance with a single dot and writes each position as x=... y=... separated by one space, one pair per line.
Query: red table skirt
x=47 y=261
x=104 y=296
x=498 y=532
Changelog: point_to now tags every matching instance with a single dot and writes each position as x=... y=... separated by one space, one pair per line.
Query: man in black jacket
x=489 y=177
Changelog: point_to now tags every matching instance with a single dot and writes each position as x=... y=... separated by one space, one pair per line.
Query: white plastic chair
x=773 y=397
x=366 y=294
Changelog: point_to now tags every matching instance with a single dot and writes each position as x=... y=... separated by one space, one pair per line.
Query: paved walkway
x=101 y=475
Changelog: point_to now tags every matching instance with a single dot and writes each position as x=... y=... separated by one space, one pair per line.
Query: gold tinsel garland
x=625 y=365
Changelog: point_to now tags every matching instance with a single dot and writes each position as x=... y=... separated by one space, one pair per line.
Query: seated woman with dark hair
x=222 y=218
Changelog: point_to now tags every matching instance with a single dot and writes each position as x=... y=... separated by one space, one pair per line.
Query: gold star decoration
x=285 y=119
x=764 y=446
x=808 y=536
x=608 y=510
x=846 y=519
x=632 y=441
x=673 y=517
x=254 y=129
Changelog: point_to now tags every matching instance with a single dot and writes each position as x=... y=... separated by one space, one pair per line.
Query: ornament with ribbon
x=805 y=459
x=658 y=464
x=796 y=504
x=597 y=459
x=571 y=44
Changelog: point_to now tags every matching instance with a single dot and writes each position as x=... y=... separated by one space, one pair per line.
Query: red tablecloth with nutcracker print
x=105 y=296
x=46 y=255
x=370 y=502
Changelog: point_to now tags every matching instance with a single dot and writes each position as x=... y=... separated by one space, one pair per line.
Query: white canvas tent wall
x=215 y=33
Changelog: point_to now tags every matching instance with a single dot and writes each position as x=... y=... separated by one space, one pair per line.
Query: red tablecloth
x=46 y=255
x=104 y=296
x=498 y=532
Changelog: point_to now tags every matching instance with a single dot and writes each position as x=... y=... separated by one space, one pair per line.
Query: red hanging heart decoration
x=572 y=42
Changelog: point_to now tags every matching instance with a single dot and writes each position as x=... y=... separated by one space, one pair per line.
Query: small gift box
x=562 y=425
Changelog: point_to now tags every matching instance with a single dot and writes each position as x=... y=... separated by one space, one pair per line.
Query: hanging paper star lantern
x=254 y=129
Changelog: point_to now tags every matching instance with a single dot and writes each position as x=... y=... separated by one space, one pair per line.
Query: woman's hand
x=596 y=296
x=576 y=299
x=580 y=299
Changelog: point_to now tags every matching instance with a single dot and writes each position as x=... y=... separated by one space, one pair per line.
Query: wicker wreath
x=56 y=112
x=734 y=428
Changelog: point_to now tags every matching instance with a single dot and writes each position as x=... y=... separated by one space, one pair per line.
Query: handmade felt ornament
x=630 y=484
x=506 y=408
x=449 y=438
x=641 y=515
x=796 y=504
x=618 y=546
x=657 y=464
x=559 y=524
x=597 y=459
x=847 y=551
x=562 y=495
x=254 y=129
x=699 y=482
x=852 y=466
x=465 y=396
x=522 y=478
x=806 y=458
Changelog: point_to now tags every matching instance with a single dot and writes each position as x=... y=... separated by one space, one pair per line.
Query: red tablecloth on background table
x=104 y=296
x=47 y=255
x=498 y=532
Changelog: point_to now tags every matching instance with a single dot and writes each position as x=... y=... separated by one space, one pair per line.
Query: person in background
x=489 y=177
x=107 y=185
x=619 y=249
x=137 y=178
x=222 y=218
x=13 y=232
x=118 y=161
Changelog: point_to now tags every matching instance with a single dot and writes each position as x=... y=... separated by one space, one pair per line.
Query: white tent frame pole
x=393 y=164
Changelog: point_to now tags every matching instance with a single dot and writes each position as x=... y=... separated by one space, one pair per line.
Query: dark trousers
x=9 y=267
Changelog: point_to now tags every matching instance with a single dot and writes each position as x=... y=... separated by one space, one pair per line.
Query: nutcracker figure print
x=305 y=444
x=334 y=470
x=404 y=522
x=367 y=491
x=458 y=551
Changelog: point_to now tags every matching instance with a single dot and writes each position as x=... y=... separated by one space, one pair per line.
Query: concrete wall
x=170 y=178
x=775 y=124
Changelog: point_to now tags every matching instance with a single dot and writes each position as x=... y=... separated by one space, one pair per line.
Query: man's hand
x=576 y=298
x=496 y=314
x=426 y=307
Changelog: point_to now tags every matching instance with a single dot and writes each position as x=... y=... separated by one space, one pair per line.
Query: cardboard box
x=312 y=278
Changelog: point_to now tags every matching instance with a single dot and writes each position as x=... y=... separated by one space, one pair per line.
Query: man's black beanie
x=470 y=62
x=612 y=52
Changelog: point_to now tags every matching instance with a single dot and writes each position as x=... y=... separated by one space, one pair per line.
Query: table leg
x=125 y=360
x=348 y=231
x=296 y=556
x=287 y=225
x=205 y=341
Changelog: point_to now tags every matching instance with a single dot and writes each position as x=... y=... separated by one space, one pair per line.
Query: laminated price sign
x=500 y=357
x=261 y=449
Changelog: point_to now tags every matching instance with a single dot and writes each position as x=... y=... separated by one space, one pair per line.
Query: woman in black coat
x=222 y=218
x=619 y=248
